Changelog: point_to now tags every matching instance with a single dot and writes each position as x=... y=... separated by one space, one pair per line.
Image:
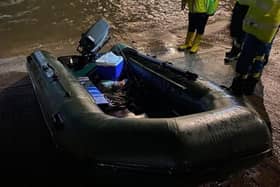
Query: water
x=32 y=23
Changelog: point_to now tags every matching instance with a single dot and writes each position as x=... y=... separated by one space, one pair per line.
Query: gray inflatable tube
x=227 y=132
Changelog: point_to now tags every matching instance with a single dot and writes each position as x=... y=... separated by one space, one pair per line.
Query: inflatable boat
x=142 y=114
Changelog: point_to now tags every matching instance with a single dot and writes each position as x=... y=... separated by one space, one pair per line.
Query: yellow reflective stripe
x=244 y=76
x=259 y=58
x=257 y=75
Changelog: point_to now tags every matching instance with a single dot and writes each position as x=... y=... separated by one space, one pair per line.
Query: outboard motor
x=94 y=39
x=90 y=43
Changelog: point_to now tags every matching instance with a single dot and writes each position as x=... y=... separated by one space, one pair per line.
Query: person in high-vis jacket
x=199 y=11
x=236 y=32
x=260 y=24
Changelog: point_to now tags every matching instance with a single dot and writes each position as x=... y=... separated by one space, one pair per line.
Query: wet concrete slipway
x=27 y=155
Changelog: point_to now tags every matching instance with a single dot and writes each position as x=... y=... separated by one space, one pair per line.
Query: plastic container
x=97 y=96
x=109 y=66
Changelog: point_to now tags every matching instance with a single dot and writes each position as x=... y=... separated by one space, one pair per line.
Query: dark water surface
x=36 y=22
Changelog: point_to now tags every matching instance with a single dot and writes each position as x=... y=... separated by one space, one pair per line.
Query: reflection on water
x=205 y=64
x=23 y=22
x=210 y=66
x=5 y=3
x=27 y=21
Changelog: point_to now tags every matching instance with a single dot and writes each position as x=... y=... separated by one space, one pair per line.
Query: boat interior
x=145 y=87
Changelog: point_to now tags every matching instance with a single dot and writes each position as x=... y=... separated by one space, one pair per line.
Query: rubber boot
x=250 y=85
x=188 y=42
x=237 y=86
x=196 y=44
x=234 y=53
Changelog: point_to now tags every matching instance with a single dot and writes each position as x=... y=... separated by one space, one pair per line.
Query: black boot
x=249 y=85
x=233 y=54
x=237 y=86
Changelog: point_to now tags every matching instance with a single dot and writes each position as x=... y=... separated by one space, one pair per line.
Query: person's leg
x=243 y=65
x=192 y=22
x=190 y=35
x=258 y=63
x=238 y=14
x=236 y=32
x=261 y=59
x=250 y=65
x=248 y=53
x=201 y=21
